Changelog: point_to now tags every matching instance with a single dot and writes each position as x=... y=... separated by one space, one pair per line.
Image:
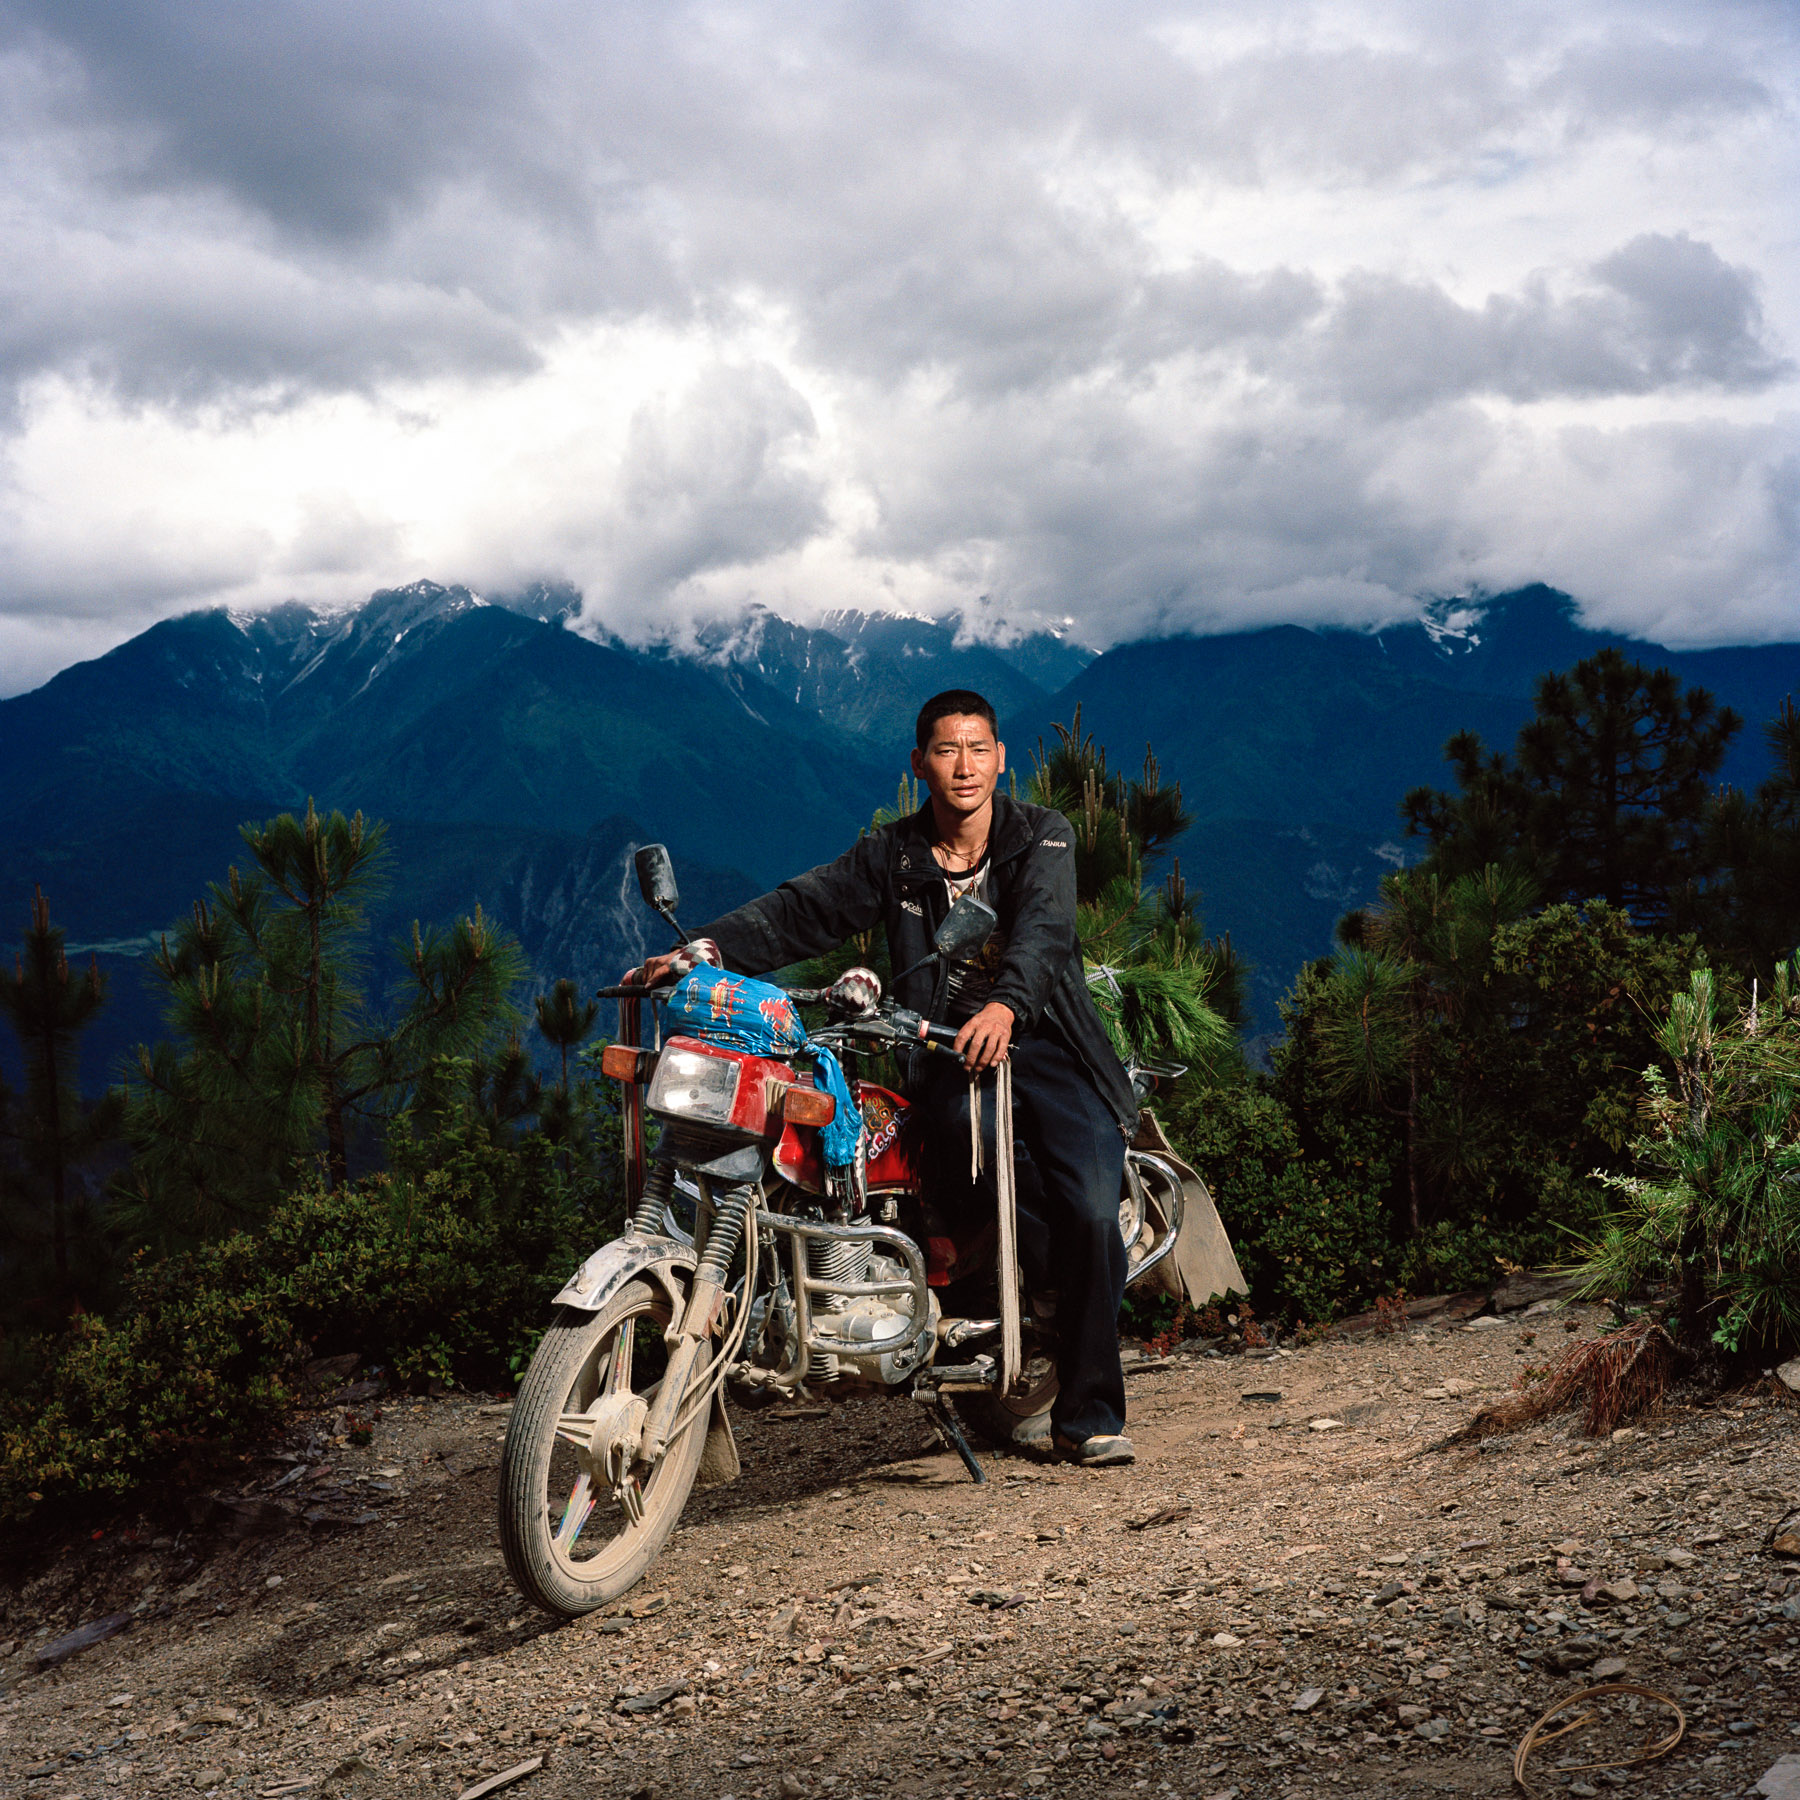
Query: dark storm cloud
x=329 y=119
x=462 y=176
x=1663 y=313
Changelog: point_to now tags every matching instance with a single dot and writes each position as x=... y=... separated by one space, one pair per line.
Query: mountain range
x=518 y=761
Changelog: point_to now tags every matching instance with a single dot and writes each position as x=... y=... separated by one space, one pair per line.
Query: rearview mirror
x=966 y=927
x=656 y=878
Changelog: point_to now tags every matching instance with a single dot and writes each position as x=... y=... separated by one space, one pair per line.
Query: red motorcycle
x=749 y=1263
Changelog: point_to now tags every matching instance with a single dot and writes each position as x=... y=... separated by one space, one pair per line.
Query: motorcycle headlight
x=688 y=1085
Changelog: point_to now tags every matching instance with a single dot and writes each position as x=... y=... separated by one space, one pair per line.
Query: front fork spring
x=727 y=1230
x=659 y=1184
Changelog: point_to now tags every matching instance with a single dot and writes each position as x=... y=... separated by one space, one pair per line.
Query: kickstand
x=952 y=1428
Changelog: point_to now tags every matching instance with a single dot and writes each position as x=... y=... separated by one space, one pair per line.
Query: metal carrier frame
x=811 y=1336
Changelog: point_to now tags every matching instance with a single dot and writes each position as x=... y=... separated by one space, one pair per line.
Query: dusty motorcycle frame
x=622 y=1409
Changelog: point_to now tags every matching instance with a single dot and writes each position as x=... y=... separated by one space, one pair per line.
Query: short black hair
x=952 y=701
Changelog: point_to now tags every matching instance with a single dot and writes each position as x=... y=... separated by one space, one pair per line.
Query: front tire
x=569 y=1544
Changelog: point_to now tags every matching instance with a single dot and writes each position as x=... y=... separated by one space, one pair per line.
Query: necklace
x=968 y=859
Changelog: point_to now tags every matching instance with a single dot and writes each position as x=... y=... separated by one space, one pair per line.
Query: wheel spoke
x=618 y=1377
x=575 y=1512
x=575 y=1429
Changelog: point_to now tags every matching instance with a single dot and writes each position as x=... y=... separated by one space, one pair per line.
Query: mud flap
x=719 y=1458
x=1203 y=1262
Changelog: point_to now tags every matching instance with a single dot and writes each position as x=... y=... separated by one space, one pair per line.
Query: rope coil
x=1537 y=1736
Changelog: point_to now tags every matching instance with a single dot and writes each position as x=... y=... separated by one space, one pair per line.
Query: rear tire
x=569 y=1544
x=1021 y=1421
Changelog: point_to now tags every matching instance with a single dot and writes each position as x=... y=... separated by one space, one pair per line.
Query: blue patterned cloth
x=745 y=1014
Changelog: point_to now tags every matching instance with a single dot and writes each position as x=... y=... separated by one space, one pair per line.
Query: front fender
x=624 y=1259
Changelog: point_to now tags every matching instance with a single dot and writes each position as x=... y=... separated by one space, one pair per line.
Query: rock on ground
x=1361 y=1611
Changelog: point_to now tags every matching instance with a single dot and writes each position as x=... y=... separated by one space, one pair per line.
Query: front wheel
x=572 y=1541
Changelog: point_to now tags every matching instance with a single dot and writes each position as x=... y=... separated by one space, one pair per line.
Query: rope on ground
x=1537 y=1736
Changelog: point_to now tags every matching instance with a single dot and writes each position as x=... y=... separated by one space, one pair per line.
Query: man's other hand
x=985 y=1039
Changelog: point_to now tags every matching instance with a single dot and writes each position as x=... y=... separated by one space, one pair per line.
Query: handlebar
x=896 y=1024
x=911 y=1027
x=632 y=991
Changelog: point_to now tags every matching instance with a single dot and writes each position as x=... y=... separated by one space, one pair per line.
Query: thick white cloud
x=1159 y=316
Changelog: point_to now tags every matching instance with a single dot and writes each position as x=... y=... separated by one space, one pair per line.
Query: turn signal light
x=807 y=1106
x=625 y=1062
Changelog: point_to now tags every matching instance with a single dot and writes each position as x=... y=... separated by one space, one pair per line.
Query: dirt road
x=1324 y=1603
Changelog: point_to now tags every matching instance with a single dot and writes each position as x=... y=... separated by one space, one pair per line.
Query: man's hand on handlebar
x=656 y=971
x=985 y=1039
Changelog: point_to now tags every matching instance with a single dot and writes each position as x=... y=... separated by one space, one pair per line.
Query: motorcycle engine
x=871 y=1317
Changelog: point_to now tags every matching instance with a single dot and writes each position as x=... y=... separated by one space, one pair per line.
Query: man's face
x=961 y=763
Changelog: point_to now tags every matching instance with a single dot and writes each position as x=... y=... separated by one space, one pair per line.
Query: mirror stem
x=929 y=957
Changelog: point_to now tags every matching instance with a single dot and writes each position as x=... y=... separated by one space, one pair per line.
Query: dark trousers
x=1071 y=1161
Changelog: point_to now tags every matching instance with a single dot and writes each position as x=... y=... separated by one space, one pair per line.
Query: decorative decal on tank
x=882 y=1120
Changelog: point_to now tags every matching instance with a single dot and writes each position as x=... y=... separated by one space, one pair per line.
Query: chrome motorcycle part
x=649 y=1216
x=909 y=1295
x=832 y=1263
x=1148 y=1178
x=977 y=1375
x=713 y=1306
x=573 y=1538
x=687 y=1085
x=968 y=1331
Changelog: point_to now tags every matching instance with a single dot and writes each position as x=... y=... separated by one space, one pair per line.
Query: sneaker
x=1097 y=1452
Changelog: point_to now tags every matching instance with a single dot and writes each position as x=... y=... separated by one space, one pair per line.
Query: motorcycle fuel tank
x=892 y=1157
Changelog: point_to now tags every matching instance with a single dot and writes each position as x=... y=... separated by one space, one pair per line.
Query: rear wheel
x=572 y=1541
x=1023 y=1419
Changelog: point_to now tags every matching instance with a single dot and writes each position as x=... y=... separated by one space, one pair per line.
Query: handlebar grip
x=910 y=1026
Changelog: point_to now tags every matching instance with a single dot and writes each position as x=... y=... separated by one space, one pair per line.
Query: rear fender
x=662 y=1259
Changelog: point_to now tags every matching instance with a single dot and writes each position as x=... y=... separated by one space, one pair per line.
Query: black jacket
x=890 y=877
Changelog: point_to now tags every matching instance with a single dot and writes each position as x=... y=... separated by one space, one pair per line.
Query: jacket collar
x=1011 y=833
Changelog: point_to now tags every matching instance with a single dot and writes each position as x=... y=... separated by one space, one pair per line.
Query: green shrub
x=1714 y=1205
x=442 y=1268
x=195 y=1365
x=1310 y=1232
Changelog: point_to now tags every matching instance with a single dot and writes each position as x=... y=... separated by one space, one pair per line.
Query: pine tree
x=1606 y=795
x=1752 y=916
x=278 y=1049
x=48 y=1006
x=564 y=1019
x=1163 y=988
x=1412 y=968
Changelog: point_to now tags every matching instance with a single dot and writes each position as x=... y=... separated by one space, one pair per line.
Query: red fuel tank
x=893 y=1160
x=893 y=1156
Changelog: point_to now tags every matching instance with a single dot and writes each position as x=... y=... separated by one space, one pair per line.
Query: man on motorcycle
x=1025 y=1001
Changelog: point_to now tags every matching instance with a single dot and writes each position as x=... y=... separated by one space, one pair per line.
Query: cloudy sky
x=1151 y=316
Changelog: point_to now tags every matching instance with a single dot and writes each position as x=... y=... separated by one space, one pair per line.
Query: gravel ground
x=1345 y=1609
